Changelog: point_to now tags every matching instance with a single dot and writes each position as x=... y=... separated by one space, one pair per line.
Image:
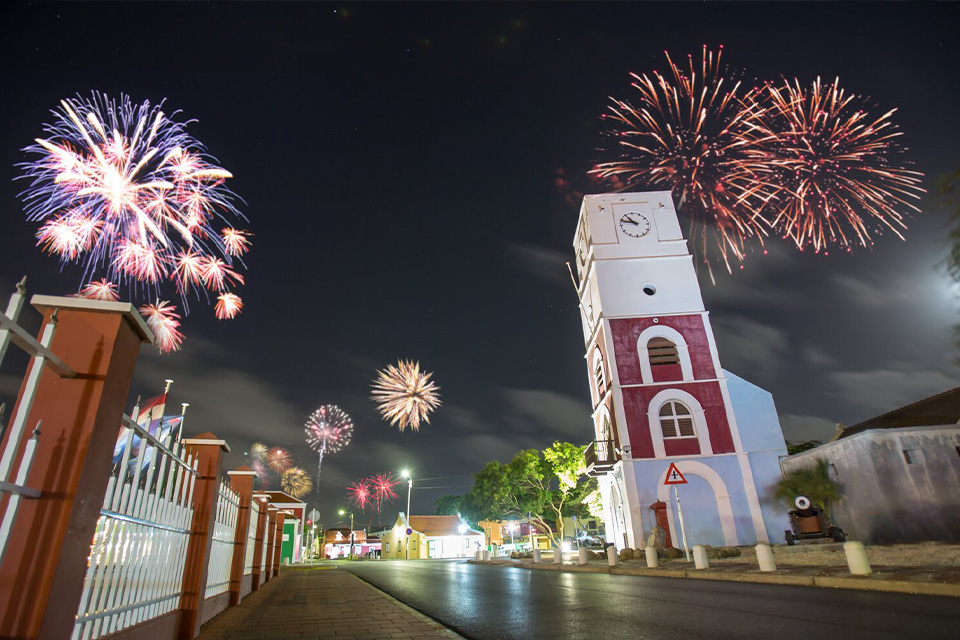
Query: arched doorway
x=721 y=498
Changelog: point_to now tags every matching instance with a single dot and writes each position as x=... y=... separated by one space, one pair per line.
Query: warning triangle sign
x=674 y=476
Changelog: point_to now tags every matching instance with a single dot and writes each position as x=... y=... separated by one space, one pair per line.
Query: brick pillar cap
x=242 y=471
x=207 y=438
x=129 y=312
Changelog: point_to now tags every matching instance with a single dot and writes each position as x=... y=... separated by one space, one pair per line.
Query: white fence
x=221 y=548
x=263 y=553
x=251 y=537
x=135 y=570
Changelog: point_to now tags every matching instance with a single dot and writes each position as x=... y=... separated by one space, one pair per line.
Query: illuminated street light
x=462 y=529
x=342 y=512
x=406 y=474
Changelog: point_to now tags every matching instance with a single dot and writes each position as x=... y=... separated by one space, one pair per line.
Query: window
x=386 y=547
x=676 y=421
x=598 y=372
x=662 y=352
x=913 y=456
x=414 y=544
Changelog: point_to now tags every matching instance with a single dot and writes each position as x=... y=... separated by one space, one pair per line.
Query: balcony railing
x=601 y=456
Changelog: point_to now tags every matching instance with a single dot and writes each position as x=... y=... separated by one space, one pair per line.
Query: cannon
x=810 y=522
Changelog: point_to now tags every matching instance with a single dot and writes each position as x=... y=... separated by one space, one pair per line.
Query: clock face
x=635 y=224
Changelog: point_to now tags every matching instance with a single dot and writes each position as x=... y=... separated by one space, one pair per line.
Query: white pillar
x=584 y=555
x=765 y=557
x=558 y=555
x=536 y=556
x=651 y=554
x=613 y=559
x=486 y=555
x=857 y=558
x=700 y=559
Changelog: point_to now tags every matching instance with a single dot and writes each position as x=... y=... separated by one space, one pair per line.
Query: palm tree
x=814 y=482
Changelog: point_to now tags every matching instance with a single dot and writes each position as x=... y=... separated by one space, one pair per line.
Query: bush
x=728 y=552
x=671 y=553
x=626 y=554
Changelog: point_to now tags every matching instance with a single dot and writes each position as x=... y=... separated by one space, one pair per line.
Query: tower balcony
x=600 y=457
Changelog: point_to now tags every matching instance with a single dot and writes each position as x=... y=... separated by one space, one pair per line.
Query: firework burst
x=296 y=482
x=704 y=137
x=164 y=321
x=405 y=395
x=841 y=170
x=381 y=486
x=100 y=290
x=360 y=493
x=278 y=460
x=258 y=451
x=124 y=191
x=328 y=429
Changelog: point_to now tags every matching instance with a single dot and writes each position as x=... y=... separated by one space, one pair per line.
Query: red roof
x=438 y=525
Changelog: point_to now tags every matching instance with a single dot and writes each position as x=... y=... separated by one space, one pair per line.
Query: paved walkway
x=321 y=603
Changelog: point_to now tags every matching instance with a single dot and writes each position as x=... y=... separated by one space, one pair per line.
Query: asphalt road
x=487 y=603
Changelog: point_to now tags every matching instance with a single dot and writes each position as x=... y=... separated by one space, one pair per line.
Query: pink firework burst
x=100 y=290
x=236 y=242
x=164 y=321
x=360 y=493
x=382 y=485
x=228 y=306
x=261 y=470
x=278 y=459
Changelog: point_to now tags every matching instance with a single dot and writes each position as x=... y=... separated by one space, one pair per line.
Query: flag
x=149 y=416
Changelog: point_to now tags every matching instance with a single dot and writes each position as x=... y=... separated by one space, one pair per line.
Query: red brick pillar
x=46 y=557
x=209 y=451
x=271 y=534
x=241 y=482
x=262 y=518
x=278 y=541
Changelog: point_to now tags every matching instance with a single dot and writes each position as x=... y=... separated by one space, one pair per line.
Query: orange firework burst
x=278 y=459
x=296 y=482
x=704 y=137
x=405 y=395
x=228 y=306
x=841 y=169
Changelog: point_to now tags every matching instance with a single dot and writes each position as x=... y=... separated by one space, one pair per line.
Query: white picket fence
x=135 y=569
x=221 y=549
x=263 y=553
x=251 y=537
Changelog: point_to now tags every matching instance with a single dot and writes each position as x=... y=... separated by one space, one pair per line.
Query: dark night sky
x=398 y=164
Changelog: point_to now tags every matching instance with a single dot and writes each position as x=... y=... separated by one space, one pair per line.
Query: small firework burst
x=100 y=290
x=236 y=242
x=360 y=493
x=841 y=168
x=405 y=395
x=278 y=460
x=381 y=486
x=328 y=429
x=228 y=306
x=164 y=321
x=296 y=482
x=258 y=451
x=700 y=134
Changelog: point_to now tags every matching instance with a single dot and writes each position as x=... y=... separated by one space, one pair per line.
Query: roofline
x=892 y=411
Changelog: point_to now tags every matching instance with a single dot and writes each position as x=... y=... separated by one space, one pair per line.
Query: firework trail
x=360 y=493
x=328 y=429
x=704 y=137
x=296 y=482
x=124 y=191
x=405 y=395
x=278 y=460
x=381 y=486
x=840 y=168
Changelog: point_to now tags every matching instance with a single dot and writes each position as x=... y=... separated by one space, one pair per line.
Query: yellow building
x=422 y=537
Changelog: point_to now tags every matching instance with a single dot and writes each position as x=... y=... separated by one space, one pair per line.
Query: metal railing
x=601 y=455
x=221 y=548
x=135 y=569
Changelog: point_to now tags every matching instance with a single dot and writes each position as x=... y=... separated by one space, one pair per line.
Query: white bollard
x=765 y=557
x=558 y=555
x=651 y=555
x=478 y=555
x=584 y=555
x=486 y=555
x=536 y=556
x=613 y=558
x=857 y=558
x=700 y=559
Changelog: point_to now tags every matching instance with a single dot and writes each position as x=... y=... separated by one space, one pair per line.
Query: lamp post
x=342 y=512
x=462 y=529
x=513 y=542
x=406 y=474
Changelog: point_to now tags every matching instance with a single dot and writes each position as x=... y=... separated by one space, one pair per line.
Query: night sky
x=399 y=165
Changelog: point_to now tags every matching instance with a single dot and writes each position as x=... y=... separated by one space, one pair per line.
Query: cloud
x=880 y=390
x=546 y=415
x=818 y=357
x=799 y=427
x=545 y=264
x=749 y=347
x=875 y=291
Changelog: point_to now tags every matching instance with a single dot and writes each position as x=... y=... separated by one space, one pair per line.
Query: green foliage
x=814 y=482
x=799 y=446
x=447 y=505
x=545 y=485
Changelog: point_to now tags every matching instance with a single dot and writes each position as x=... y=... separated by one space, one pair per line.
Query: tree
x=447 y=505
x=798 y=446
x=544 y=486
x=814 y=482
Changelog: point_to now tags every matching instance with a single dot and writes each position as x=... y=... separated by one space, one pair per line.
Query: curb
x=861 y=583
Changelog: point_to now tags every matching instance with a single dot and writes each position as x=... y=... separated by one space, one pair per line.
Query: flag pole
x=183 y=416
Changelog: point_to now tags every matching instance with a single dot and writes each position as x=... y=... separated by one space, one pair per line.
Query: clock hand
x=632 y=221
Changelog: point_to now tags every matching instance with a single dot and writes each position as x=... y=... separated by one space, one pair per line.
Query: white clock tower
x=659 y=395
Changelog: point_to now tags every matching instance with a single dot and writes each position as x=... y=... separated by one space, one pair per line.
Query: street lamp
x=342 y=512
x=462 y=529
x=513 y=542
x=406 y=474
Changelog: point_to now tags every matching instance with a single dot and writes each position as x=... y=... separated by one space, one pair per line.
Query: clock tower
x=658 y=392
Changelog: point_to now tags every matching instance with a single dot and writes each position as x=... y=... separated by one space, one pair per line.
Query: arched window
x=598 y=376
x=676 y=420
x=662 y=353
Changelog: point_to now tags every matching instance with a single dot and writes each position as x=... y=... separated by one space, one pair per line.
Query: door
x=431 y=548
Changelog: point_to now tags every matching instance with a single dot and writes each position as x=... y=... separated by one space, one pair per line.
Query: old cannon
x=810 y=522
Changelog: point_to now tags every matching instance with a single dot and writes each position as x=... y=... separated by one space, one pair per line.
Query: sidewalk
x=934 y=581
x=321 y=603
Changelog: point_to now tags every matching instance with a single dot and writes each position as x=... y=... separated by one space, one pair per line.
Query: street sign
x=674 y=476
x=314 y=514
